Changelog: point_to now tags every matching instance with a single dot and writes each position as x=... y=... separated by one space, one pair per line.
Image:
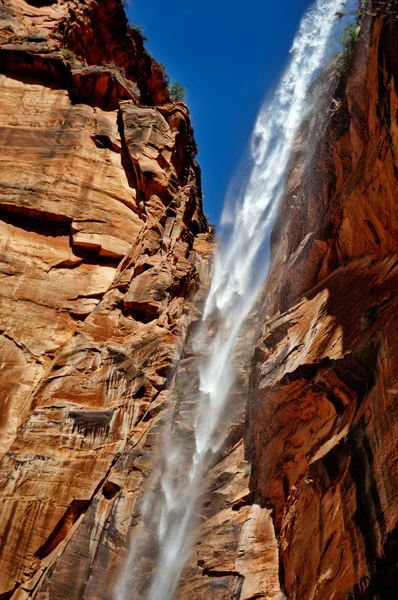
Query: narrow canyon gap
x=197 y=431
x=113 y=332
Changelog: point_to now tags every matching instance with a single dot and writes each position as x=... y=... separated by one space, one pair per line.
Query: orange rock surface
x=104 y=246
x=322 y=418
x=104 y=264
x=318 y=519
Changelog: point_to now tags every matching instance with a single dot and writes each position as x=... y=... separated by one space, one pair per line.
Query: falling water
x=239 y=271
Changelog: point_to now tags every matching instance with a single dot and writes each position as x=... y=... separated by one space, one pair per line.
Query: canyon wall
x=317 y=516
x=104 y=254
x=104 y=265
x=322 y=416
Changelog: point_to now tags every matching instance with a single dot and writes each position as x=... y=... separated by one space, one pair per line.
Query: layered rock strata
x=104 y=248
x=317 y=518
x=322 y=416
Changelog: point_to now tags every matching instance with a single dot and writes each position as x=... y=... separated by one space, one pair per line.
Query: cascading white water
x=238 y=274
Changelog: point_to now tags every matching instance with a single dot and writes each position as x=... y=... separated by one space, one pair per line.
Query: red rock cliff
x=322 y=414
x=317 y=518
x=103 y=246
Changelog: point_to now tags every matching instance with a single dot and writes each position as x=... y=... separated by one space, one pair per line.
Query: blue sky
x=228 y=54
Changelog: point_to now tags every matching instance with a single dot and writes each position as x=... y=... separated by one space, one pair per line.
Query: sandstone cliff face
x=318 y=516
x=103 y=248
x=322 y=414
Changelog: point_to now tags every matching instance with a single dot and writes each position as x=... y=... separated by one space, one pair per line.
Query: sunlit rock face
x=104 y=265
x=322 y=416
x=104 y=251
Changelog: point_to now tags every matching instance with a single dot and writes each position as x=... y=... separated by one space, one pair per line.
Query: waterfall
x=239 y=271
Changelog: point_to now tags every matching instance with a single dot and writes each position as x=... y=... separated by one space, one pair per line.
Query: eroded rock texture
x=322 y=416
x=104 y=262
x=104 y=248
x=318 y=517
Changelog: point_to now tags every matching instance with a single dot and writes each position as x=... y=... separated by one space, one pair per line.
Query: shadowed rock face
x=322 y=415
x=104 y=254
x=318 y=516
x=104 y=265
